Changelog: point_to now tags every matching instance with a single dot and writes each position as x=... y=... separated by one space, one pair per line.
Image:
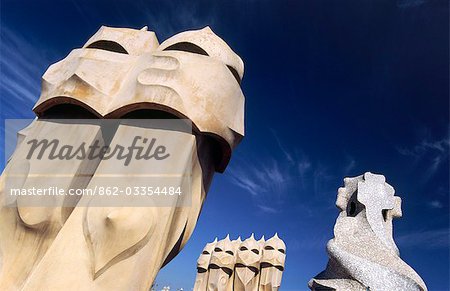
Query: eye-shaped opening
x=195 y=49
x=243 y=249
x=108 y=45
x=255 y=251
x=354 y=207
x=268 y=248
x=205 y=253
x=384 y=212
x=282 y=251
x=235 y=74
x=217 y=250
x=230 y=253
x=187 y=47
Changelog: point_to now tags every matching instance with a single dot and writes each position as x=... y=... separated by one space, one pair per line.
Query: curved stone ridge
x=248 y=265
x=193 y=75
x=363 y=254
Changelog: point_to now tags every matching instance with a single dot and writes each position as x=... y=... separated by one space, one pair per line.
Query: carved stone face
x=221 y=266
x=223 y=255
x=248 y=260
x=205 y=257
x=249 y=252
x=192 y=75
x=274 y=252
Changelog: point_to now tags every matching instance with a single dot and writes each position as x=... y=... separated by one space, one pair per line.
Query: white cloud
x=266 y=181
x=436 y=204
x=267 y=209
x=425 y=146
x=269 y=179
x=430 y=239
x=321 y=181
x=287 y=154
x=245 y=181
x=409 y=3
x=313 y=241
x=185 y=15
x=22 y=65
x=351 y=164
x=431 y=153
x=303 y=166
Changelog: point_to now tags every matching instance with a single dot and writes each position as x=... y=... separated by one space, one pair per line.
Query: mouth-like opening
x=213 y=266
x=251 y=268
x=228 y=271
x=149 y=114
x=64 y=107
x=217 y=148
x=67 y=111
x=269 y=265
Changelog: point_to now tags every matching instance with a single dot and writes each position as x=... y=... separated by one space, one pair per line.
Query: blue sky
x=333 y=89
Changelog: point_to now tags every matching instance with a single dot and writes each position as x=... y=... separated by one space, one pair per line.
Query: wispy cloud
x=286 y=154
x=431 y=153
x=21 y=70
x=314 y=241
x=267 y=209
x=271 y=178
x=21 y=67
x=435 y=204
x=267 y=181
x=246 y=180
x=321 y=180
x=304 y=166
x=351 y=164
x=186 y=15
x=409 y=3
x=425 y=146
x=428 y=239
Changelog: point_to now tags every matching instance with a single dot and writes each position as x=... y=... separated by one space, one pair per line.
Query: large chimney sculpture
x=119 y=74
x=363 y=255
